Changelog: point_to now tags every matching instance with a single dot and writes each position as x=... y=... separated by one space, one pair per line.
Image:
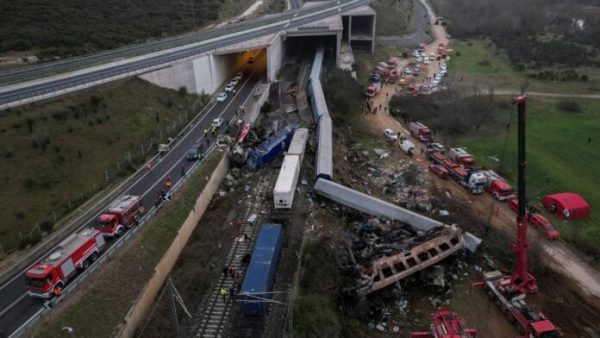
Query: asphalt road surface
x=16 y=307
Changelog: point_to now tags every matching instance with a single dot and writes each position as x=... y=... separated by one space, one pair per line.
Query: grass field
x=558 y=156
x=130 y=268
x=72 y=27
x=56 y=154
x=479 y=62
x=394 y=17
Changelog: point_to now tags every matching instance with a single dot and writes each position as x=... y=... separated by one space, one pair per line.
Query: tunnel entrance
x=299 y=48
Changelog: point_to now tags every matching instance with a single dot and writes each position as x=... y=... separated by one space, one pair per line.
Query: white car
x=238 y=76
x=229 y=88
x=437 y=146
x=222 y=97
x=218 y=122
x=234 y=82
x=425 y=62
x=390 y=134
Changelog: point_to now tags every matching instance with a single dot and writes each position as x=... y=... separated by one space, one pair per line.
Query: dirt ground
x=582 y=282
x=198 y=265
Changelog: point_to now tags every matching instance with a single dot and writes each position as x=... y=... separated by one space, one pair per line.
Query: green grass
x=74 y=27
x=129 y=270
x=394 y=17
x=74 y=140
x=558 y=156
x=465 y=66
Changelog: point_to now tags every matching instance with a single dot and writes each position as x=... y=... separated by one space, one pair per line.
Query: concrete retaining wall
x=174 y=77
x=141 y=308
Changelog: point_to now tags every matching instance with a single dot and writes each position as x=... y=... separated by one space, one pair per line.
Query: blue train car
x=324 y=167
x=319 y=106
x=268 y=150
x=315 y=72
x=258 y=282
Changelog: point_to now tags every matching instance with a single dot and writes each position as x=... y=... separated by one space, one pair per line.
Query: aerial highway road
x=17 y=308
x=71 y=64
x=189 y=45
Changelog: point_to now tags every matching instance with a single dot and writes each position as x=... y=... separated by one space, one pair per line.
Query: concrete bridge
x=204 y=65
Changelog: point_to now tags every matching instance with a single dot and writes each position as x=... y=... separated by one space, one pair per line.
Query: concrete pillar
x=350 y=30
x=274 y=57
x=373 y=33
x=338 y=43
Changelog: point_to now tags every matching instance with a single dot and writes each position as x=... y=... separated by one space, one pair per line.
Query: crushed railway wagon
x=386 y=271
x=257 y=287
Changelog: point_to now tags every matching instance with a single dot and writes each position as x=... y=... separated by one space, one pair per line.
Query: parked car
x=222 y=97
x=234 y=82
x=195 y=152
x=229 y=88
x=426 y=62
x=436 y=146
x=390 y=134
x=238 y=76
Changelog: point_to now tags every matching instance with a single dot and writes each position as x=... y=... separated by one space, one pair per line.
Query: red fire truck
x=124 y=212
x=47 y=278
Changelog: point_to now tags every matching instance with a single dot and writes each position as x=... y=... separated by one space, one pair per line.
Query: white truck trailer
x=283 y=194
x=298 y=143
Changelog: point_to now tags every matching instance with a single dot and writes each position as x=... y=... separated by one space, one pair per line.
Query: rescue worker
x=182 y=171
x=168 y=182
x=58 y=291
x=223 y=294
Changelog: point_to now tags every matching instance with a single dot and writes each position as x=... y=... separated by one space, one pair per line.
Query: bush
x=484 y=63
x=29 y=183
x=314 y=316
x=182 y=91
x=47 y=226
x=29 y=240
x=9 y=154
x=584 y=78
x=568 y=106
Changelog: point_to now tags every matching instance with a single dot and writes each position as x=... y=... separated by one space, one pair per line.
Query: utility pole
x=173 y=307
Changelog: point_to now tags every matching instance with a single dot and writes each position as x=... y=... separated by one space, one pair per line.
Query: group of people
x=235 y=288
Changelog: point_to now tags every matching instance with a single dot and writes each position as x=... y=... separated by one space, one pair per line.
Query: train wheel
x=94 y=257
x=120 y=232
x=85 y=264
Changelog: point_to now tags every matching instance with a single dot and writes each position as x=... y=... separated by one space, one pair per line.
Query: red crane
x=509 y=291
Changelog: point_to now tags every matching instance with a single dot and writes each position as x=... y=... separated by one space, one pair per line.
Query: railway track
x=217 y=311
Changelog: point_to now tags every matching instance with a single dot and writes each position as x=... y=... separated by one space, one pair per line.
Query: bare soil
x=579 y=282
